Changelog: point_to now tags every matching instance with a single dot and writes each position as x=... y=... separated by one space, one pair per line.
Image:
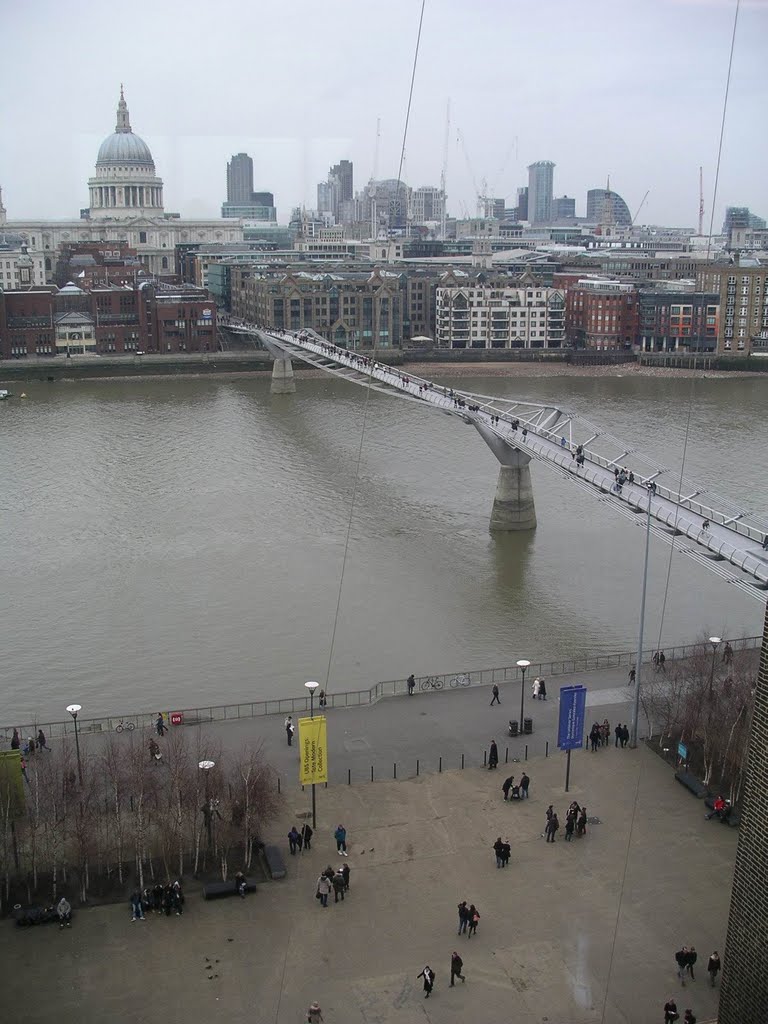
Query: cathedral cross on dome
x=123 y=121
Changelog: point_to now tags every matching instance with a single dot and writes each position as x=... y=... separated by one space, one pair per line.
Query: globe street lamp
x=312 y=686
x=205 y=767
x=74 y=710
x=522 y=664
x=715 y=641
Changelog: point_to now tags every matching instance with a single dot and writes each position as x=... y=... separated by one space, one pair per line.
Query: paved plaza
x=569 y=933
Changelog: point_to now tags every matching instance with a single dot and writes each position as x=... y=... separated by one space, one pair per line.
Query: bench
x=274 y=862
x=25 y=917
x=218 y=890
x=689 y=780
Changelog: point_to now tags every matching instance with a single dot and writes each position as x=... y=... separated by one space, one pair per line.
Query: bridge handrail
x=358 y=698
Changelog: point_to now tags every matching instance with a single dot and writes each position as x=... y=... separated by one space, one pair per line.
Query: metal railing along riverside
x=358 y=698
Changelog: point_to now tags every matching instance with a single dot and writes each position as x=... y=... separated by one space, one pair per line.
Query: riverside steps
x=382 y=733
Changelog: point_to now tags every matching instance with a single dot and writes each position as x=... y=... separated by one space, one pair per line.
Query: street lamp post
x=74 y=710
x=715 y=641
x=312 y=686
x=205 y=767
x=522 y=664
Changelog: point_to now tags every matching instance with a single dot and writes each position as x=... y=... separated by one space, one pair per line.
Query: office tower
x=239 y=179
x=540 y=181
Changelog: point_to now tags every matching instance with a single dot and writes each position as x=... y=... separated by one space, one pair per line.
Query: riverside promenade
x=570 y=933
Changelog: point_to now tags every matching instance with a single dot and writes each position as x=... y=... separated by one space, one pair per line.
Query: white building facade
x=125 y=205
x=525 y=316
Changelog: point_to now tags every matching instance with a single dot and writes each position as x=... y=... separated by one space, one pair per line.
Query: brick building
x=744 y=991
x=601 y=314
x=125 y=319
x=743 y=292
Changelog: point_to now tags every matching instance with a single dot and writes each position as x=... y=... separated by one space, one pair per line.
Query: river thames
x=179 y=542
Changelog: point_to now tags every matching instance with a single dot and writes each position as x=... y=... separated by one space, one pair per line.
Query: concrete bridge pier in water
x=513 y=504
x=283 y=382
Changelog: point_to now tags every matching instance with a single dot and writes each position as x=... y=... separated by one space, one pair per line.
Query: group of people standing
x=330 y=881
x=575 y=822
x=160 y=899
x=300 y=840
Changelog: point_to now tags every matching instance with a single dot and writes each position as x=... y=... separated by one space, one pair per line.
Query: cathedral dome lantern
x=125 y=183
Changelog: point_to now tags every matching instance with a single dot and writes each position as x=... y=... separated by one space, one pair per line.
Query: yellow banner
x=313 y=763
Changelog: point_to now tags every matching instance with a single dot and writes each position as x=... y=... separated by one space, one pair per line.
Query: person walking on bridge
x=288 y=729
x=411 y=684
x=495 y=698
x=632 y=676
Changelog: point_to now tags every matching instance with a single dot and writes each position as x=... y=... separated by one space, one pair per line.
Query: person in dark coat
x=670 y=1011
x=542 y=689
x=681 y=959
x=160 y=724
x=618 y=732
x=524 y=784
x=15 y=740
x=506 y=853
x=507 y=785
x=497 y=849
x=495 y=697
x=293 y=840
x=411 y=684
x=42 y=742
x=493 y=756
x=338 y=886
x=306 y=835
x=624 y=736
x=713 y=967
x=457 y=966
x=346 y=873
x=553 y=824
x=690 y=961
x=429 y=980
x=474 y=920
x=463 y=916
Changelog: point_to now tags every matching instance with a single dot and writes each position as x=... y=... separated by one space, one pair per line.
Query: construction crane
x=642 y=204
x=701 y=201
x=445 y=168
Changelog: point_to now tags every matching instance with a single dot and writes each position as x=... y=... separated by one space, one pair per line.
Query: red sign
x=177 y=718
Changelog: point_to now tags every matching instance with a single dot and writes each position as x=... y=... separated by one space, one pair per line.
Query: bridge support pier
x=283 y=382
x=513 y=506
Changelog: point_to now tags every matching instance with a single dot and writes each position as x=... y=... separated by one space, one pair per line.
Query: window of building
x=142 y=236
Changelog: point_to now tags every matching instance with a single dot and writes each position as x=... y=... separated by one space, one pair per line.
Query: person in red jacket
x=717 y=808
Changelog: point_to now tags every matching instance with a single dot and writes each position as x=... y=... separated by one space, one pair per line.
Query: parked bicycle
x=125 y=726
x=431 y=683
x=460 y=680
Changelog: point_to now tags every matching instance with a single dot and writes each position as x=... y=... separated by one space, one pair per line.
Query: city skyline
x=661 y=105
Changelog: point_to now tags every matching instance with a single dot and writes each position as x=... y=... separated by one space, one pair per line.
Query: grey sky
x=630 y=88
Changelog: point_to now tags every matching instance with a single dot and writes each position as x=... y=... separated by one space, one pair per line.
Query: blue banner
x=573 y=704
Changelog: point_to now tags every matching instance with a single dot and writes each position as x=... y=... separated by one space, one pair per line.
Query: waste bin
x=527 y=726
x=513 y=728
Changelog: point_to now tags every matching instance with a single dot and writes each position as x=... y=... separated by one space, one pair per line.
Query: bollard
x=462 y=761
x=326 y=785
x=278 y=784
x=546 y=752
x=371 y=773
x=349 y=776
x=506 y=756
x=485 y=758
x=394 y=770
x=417 y=766
x=526 y=751
x=440 y=766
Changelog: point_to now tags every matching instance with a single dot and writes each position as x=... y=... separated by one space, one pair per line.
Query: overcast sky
x=630 y=88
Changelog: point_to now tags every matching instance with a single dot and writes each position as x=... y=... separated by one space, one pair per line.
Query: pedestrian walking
x=506 y=853
x=323 y=889
x=662 y=661
x=713 y=967
x=536 y=686
x=624 y=736
x=493 y=756
x=553 y=825
x=507 y=785
x=306 y=836
x=617 y=733
x=293 y=840
x=137 y=910
x=411 y=684
x=463 y=916
x=497 y=849
x=632 y=676
x=289 y=729
x=656 y=661
x=495 y=698
x=690 y=961
x=314 y=1014
x=681 y=958
x=727 y=653
x=524 y=784
x=160 y=725
x=15 y=740
x=322 y=700
x=23 y=766
x=429 y=980
x=670 y=1011
x=340 y=835
x=594 y=736
x=474 y=920
x=457 y=966
x=346 y=873
x=42 y=742
x=542 y=689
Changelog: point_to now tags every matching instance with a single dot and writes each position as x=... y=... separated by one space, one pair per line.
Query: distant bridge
x=716 y=532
